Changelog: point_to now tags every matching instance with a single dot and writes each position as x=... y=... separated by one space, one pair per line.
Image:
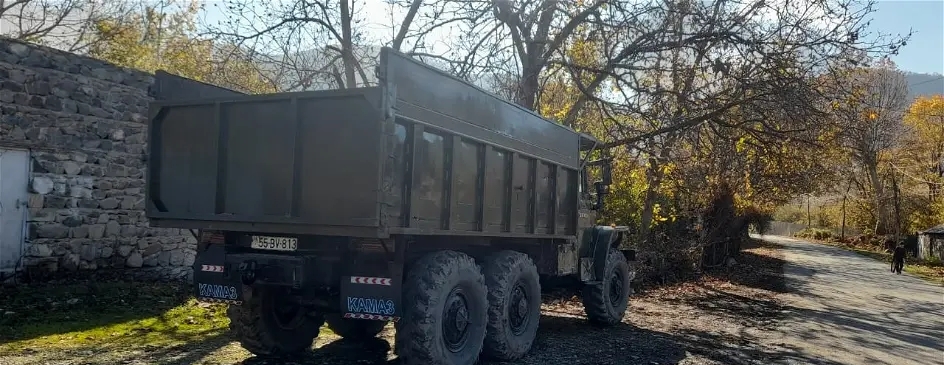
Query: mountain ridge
x=924 y=84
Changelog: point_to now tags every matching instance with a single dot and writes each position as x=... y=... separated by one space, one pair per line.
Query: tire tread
x=415 y=340
x=247 y=324
x=501 y=271
x=595 y=302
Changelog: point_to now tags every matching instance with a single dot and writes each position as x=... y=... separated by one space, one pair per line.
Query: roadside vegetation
x=891 y=184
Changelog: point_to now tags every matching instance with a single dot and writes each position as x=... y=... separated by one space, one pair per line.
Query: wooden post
x=842 y=231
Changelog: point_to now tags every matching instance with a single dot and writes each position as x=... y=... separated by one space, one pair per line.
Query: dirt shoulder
x=723 y=318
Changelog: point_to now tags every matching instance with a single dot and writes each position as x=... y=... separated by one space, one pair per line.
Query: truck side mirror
x=602 y=190
x=607 y=173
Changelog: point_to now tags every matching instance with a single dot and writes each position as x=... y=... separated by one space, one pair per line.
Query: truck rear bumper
x=220 y=276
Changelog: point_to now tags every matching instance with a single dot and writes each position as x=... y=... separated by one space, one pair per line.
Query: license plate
x=275 y=243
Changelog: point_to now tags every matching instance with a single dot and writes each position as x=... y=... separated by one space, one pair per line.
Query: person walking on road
x=898 y=259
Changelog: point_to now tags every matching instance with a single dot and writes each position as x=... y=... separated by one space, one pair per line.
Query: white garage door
x=14 y=179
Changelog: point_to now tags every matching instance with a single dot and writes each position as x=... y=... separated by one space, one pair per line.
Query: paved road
x=844 y=308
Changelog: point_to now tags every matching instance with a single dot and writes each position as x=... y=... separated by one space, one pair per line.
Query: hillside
x=924 y=84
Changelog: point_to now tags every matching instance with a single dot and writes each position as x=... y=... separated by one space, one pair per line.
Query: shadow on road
x=571 y=341
x=372 y=351
x=759 y=266
x=847 y=303
x=561 y=340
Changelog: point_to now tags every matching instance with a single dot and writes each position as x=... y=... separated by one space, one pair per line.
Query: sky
x=923 y=54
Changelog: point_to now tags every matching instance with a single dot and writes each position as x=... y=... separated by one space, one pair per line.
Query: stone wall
x=84 y=122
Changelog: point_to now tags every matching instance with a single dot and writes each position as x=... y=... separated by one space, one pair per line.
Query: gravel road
x=843 y=308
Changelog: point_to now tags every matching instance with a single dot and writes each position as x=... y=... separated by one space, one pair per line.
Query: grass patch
x=118 y=314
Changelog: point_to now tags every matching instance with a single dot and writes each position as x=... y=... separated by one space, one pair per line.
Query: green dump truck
x=423 y=201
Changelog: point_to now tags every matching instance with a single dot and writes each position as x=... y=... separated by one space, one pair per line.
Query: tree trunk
x=528 y=89
x=347 y=46
x=881 y=222
x=653 y=179
x=407 y=22
x=845 y=196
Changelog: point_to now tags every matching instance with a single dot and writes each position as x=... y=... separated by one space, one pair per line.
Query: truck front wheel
x=354 y=329
x=514 y=305
x=444 y=311
x=268 y=324
x=605 y=302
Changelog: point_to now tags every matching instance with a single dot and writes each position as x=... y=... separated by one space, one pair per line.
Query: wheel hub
x=616 y=288
x=462 y=318
x=288 y=315
x=455 y=321
x=518 y=310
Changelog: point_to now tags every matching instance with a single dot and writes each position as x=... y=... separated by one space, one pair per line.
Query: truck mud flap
x=371 y=298
x=213 y=280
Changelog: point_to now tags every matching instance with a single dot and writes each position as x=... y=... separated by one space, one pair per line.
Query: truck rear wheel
x=444 y=311
x=354 y=329
x=268 y=324
x=514 y=305
x=605 y=303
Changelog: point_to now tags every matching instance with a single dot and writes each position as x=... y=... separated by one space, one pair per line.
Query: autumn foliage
x=157 y=38
x=716 y=113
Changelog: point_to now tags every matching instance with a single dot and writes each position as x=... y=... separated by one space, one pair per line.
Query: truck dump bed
x=421 y=153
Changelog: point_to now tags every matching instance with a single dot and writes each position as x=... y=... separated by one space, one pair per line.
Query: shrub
x=816 y=234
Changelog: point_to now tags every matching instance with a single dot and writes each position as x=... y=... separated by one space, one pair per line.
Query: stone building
x=72 y=163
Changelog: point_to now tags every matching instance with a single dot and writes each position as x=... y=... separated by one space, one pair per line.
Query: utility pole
x=842 y=231
x=809 y=218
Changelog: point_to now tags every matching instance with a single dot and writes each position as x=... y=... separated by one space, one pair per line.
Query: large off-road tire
x=444 y=311
x=269 y=325
x=354 y=329
x=605 y=303
x=514 y=305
